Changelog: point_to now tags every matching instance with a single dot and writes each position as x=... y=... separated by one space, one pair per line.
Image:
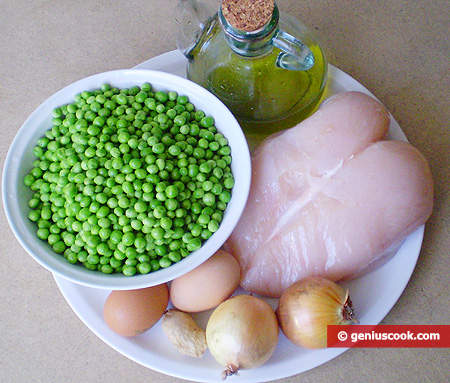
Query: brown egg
x=132 y=312
x=207 y=285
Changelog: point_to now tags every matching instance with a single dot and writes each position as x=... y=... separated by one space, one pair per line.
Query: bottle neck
x=254 y=43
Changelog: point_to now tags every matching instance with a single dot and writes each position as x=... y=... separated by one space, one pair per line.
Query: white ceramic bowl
x=20 y=158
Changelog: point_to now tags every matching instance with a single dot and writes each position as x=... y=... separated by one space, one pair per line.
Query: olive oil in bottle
x=267 y=68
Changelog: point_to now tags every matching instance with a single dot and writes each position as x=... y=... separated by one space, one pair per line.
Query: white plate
x=373 y=295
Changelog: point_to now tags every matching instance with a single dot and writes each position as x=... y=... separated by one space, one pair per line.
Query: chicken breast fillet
x=330 y=197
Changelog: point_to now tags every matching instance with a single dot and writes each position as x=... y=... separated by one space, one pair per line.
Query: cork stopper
x=247 y=15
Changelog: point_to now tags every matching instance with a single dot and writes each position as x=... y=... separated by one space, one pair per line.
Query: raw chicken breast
x=329 y=197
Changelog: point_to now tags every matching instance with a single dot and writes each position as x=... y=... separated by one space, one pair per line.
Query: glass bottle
x=271 y=77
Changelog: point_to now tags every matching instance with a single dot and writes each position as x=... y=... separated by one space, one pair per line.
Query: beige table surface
x=399 y=49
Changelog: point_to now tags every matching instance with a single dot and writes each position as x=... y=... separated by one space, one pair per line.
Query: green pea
x=157 y=233
x=107 y=269
x=34 y=215
x=203 y=219
x=225 y=196
x=205 y=167
x=194 y=244
x=144 y=268
x=199 y=152
x=206 y=234
x=179 y=120
x=174 y=256
x=162 y=97
x=103 y=250
x=166 y=223
x=209 y=199
x=59 y=247
x=114 y=262
x=43 y=233
x=213 y=226
x=196 y=230
x=165 y=262
x=128 y=239
x=207 y=121
x=93 y=259
x=121 y=99
x=129 y=271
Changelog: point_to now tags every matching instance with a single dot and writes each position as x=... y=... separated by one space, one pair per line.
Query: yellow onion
x=242 y=333
x=307 y=307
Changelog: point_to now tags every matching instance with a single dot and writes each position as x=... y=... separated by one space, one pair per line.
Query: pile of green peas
x=129 y=180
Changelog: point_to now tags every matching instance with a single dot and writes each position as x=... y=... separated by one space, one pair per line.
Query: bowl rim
x=95 y=279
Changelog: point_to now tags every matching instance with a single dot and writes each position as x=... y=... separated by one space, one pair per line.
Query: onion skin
x=242 y=333
x=308 y=306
